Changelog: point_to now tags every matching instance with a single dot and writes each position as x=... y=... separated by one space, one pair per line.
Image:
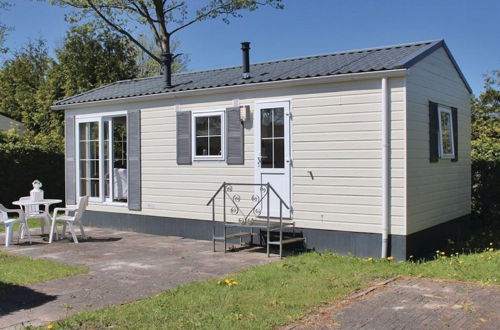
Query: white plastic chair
x=9 y=223
x=33 y=212
x=69 y=220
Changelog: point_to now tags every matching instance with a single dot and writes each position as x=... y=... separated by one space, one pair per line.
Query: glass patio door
x=89 y=159
x=102 y=165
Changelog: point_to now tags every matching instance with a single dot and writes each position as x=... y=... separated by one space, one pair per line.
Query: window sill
x=203 y=159
x=119 y=204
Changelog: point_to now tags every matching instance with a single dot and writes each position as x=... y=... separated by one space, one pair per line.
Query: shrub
x=486 y=152
x=24 y=159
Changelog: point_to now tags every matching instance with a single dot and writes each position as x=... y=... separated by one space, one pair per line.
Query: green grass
x=278 y=293
x=32 y=223
x=15 y=270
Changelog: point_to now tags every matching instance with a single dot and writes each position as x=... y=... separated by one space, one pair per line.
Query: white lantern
x=244 y=113
x=37 y=193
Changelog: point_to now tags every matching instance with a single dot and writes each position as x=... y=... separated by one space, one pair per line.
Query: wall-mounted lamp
x=244 y=113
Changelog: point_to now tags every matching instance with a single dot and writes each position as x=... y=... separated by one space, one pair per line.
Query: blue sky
x=308 y=27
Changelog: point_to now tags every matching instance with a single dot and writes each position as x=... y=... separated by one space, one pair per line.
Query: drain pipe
x=386 y=174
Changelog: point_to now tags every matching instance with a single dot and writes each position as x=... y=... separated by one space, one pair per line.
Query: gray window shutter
x=433 y=132
x=235 y=143
x=70 y=164
x=134 y=159
x=184 y=138
x=454 y=119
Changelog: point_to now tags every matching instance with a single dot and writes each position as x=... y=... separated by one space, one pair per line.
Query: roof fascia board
x=455 y=64
x=426 y=51
x=238 y=88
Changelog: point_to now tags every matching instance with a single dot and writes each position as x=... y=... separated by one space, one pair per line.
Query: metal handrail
x=281 y=199
x=248 y=184
x=216 y=193
x=247 y=219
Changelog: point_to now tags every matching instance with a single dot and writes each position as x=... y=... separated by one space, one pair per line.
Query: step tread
x=238 y=235
x=288 y=240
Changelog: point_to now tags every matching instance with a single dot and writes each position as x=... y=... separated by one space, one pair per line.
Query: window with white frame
x=445 y=119
x=208 y=135
x=102 y=158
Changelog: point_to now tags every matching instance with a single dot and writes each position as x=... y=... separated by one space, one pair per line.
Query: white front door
x=272 y=153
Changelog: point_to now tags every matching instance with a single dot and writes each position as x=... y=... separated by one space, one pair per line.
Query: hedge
x=21 y=164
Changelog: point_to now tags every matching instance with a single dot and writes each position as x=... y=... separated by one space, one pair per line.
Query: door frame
x=99 y=118
x=287 y=104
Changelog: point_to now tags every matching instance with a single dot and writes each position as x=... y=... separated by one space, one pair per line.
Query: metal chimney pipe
x=166 y=59
x=245 y=47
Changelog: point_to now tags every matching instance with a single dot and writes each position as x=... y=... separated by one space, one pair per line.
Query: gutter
x=236 y=88
x=386 y=166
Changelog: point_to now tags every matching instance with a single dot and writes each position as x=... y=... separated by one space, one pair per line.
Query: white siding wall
x=336 y=135
x=437 y=192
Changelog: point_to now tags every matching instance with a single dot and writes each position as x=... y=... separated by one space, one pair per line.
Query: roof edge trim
x=412 y=60
x=227 y=89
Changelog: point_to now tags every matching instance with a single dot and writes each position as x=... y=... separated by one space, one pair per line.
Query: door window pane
x=272 y=138
x=266 y=153
x=119 y=159
x=94 y=131
x=279 y=153
x=279 y=124
x=266 y=123
x=94 y=188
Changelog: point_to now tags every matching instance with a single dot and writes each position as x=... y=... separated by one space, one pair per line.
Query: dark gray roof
x=356 y=61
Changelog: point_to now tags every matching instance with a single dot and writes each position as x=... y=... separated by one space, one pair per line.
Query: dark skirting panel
x=343 y=242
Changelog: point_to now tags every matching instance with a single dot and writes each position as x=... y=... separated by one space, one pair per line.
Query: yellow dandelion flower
x=390 y=258
x=369 y=259
x=461 y=261
x=50 y=326
x=227 y=281
x=491 y=249
x=234 y=282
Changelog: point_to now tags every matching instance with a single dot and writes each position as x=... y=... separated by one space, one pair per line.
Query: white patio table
x=46 y=202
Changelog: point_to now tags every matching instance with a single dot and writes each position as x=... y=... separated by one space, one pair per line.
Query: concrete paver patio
x=413 y=303
x=124 y=267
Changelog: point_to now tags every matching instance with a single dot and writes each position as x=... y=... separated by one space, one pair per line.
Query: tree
x=20 y=79
x=92 y=57
x=486 y=150
x=149 y=67
x=3 y=28
x=164 y=18
x=31 y=81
